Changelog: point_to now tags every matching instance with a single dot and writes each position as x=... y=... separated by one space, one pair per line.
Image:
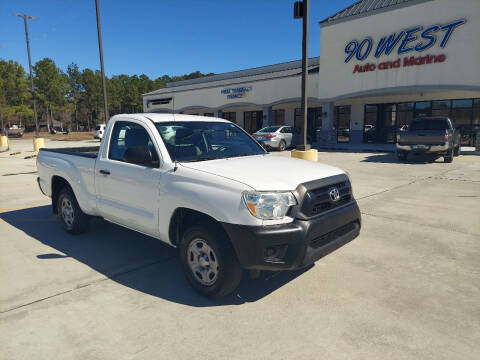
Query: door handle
x=104 y=172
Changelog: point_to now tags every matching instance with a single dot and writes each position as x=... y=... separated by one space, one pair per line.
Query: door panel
x=128 y=194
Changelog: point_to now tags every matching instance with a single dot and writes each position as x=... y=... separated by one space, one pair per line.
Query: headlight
x=269 y=205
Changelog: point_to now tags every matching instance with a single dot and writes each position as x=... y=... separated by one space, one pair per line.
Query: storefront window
x=342 y=123
x=423 y=109
x=230 y=116
x=476 y=114
x=462 y=117
x=253 y=121
x=380 y=118
x=441 y=108
x=404 y=115
x=278 y=117
x=370 y=124
x=314 y=122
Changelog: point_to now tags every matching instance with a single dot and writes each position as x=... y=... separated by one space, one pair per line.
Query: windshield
x=190 y=141
x=270 y=129
x=429 y=124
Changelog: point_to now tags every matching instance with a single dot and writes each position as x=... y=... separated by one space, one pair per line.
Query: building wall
x=262 y=93
x=460 y=68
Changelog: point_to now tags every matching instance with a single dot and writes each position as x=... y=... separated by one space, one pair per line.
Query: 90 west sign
x=416 y=40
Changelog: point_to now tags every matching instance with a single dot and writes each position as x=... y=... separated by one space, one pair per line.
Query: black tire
x=402 y=156
x=74 y=221
x=456 y=152
x=282 y=145
x=228 y=270
x=448 y=158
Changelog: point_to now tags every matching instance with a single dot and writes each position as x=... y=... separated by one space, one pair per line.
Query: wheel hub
x=67 y=212
x=203 y=262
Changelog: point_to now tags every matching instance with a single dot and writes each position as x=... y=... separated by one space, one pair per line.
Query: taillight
x=447 y=136
x=270 y=136
x=398 y=138
x=100 y=131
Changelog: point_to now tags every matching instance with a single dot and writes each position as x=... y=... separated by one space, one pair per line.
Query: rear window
x=429 y=124
x=270 y=129
x=97 y=127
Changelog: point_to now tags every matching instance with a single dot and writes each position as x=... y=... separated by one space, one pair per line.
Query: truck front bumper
x=424 y=148
x=297 y=244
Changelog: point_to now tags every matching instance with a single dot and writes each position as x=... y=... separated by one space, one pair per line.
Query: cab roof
x=155 y=117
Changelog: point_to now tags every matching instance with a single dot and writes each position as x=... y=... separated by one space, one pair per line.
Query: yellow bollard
x=3 y=141
x=310 y=155
x=38 y=143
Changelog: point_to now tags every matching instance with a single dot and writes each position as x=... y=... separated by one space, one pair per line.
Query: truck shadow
x=132 y=259
x=389 y=158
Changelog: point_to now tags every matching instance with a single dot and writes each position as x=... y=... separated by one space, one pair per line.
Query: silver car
x=275 y=137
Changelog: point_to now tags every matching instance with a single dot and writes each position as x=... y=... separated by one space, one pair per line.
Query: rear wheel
x=282 y=146
x=448 y=158
x=73 y=219
x=402 y=156
x=209 y=261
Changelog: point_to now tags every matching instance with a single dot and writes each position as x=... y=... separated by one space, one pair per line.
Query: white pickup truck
x=204 y=186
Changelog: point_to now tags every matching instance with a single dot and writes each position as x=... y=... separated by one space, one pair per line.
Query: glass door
x=253 y=121
x=342 y=123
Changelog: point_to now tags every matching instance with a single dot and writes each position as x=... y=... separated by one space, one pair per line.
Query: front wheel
x=282 y=146
x=209 y=261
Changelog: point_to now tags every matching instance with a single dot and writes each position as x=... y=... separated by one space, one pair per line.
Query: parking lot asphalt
x=407 y=288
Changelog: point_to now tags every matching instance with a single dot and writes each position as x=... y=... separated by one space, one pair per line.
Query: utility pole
x=25 y=18
x=301 y=10
x=100 y=49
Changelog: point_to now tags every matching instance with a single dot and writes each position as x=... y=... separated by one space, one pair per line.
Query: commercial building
x=382 y=63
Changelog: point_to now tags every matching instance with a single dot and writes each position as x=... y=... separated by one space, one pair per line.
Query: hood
x=266 y=172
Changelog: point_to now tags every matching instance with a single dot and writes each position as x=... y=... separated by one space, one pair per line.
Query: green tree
x=51 y=86
x=75 y=90
x=93 y=95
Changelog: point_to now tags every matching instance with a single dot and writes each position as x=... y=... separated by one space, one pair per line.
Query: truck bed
x=86 y=151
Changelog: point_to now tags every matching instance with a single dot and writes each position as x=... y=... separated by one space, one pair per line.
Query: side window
x=127 y=134
x=284 y=130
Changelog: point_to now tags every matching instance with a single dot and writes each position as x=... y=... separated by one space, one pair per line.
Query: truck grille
x=317 y=201
x=332 y=235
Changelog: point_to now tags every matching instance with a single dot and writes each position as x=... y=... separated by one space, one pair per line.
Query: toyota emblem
x=334 y=194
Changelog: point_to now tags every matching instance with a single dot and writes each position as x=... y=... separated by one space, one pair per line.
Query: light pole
x=100 y=49
x=25 y=18
x=301 y=10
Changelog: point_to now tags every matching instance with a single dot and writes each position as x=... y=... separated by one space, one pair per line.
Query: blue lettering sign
x=235 y=93
x=406 y=40
x=426 y=34
x=449 y=29
x=409 y=37
x=386 y=45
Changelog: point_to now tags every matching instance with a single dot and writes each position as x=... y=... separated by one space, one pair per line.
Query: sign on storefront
x=237 y=92
x=414 y=40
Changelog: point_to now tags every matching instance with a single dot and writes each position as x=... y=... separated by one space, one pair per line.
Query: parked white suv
x=205 y=186
x=99 y=131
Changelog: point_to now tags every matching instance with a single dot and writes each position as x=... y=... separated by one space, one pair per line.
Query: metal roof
x=248 y=72
x=363 y=7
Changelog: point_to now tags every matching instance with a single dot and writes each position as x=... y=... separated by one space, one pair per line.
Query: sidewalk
x=384 y=148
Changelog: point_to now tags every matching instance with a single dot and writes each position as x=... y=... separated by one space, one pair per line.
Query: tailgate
x=427 y=137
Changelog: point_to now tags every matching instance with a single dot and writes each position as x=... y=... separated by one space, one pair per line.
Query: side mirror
x=138 y=155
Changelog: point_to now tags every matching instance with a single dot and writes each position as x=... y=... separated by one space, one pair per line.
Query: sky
x=158 y=37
